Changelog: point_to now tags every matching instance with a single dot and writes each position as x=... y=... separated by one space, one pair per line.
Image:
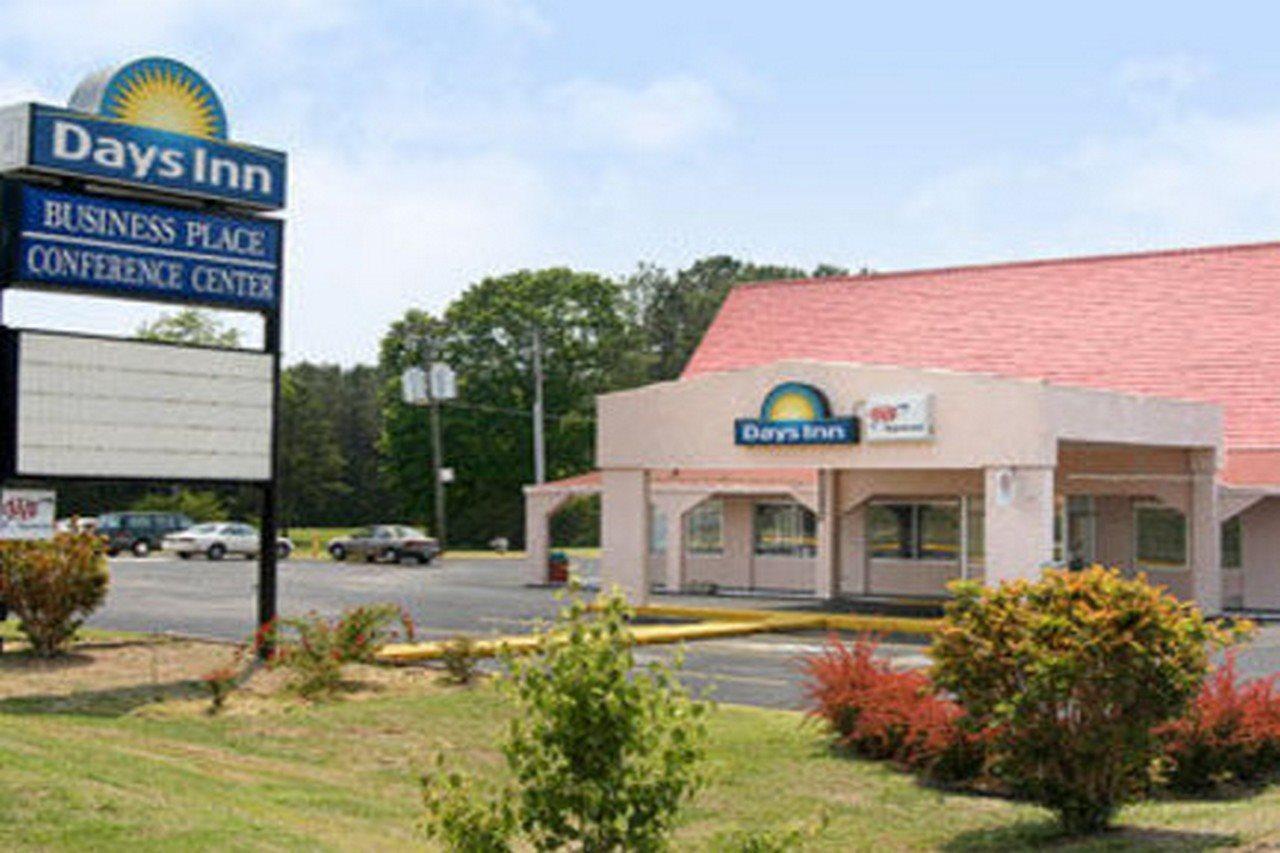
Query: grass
x=142 y=767
x=310 y=543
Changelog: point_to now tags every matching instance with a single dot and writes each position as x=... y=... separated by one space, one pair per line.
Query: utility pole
x=539 y=441
x=437 y=463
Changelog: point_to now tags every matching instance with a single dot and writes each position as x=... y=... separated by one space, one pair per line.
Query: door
x=1080 y=519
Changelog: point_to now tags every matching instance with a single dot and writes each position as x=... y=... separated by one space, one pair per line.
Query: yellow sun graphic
x=792 y=407
x=165 y=96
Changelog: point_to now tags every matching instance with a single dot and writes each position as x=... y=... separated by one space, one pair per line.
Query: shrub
x=220 y=683
x=601 y=754
x=459 y=658
x=1231 y=733
x=53 y=586
x=880 y=713
x=1072 y=673
x=321 y=647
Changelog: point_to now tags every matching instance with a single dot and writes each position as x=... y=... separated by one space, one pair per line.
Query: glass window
x=785 y=530
x=705 y=533
x=920 y=531
x=1161 y=537
x=891 y=530
x=1232 y=550
x=939 y=537
x=657 y=530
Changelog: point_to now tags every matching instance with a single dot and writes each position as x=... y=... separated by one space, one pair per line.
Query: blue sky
x=439 y=141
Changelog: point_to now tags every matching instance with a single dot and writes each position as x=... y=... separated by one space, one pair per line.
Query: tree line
x=351 y=452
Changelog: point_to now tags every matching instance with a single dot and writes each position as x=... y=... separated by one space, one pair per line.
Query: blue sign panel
x=827 y=431
x=97 y=244
x=74 y=143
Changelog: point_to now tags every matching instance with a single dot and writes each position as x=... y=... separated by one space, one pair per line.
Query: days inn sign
x=154 y=124
x=795 y=413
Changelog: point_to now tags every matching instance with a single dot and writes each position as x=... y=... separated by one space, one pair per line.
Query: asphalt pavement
x=217 y=600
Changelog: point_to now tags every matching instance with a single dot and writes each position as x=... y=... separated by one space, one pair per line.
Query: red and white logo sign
x=26 y=514
x=899 y=417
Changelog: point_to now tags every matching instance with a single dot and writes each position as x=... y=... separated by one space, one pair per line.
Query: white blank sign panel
x=89 y=407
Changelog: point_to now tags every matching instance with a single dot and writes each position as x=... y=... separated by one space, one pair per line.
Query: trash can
x=557 y=567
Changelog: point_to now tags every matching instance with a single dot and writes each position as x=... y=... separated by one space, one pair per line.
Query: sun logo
x=155 y=92
x=794 y=401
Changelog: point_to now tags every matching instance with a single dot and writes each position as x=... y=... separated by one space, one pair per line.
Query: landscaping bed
x=112 y=747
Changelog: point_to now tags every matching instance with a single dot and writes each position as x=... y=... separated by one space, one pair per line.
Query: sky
x=436 y=142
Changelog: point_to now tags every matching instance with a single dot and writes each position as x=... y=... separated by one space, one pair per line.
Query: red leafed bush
x=884 y=714
x=1231 y=733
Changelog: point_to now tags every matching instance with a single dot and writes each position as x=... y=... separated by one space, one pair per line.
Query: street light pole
x=539 y=440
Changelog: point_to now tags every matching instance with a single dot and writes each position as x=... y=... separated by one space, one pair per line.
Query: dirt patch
x=122 y=676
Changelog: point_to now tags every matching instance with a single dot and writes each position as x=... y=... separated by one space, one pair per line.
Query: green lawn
x=143 y=768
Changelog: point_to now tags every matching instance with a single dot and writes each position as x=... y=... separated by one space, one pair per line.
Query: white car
x=217 y=539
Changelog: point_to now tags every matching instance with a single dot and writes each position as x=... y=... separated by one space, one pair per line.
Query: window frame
x=690 y=548
x=1239 y=548
x=956 y=504
x=803 y=552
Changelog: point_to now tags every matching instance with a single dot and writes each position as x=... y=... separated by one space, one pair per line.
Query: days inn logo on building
x=154 y=92
x=795 y=413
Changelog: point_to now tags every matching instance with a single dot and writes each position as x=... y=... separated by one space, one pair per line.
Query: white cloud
x=663 y=115
x=1156 y=84
x=1197 y=180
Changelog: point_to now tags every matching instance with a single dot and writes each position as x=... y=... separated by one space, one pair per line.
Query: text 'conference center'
x=882 y=435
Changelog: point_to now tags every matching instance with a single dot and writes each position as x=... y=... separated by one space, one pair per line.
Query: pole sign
x=153 y=123
x=795 y=413
x=26 y=513
x=98 y=244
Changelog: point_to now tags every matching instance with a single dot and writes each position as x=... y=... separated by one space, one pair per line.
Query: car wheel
x=141 y=548
x=216 y=551
x=184 y=555
x=113 y=552
x=338 y=552
x=391 y=555
x=424 y=560
x=283 y=551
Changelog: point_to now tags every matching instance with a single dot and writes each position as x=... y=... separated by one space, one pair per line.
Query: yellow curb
x=716 y=624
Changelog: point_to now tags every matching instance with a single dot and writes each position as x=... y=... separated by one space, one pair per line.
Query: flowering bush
x=1231 y=733
x=53 y=586
x=320 y=647
x=1072 y=674
x=220 y=682
x=881 y=713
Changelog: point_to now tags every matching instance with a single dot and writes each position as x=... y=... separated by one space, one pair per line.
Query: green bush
x=196 y=505
x=601 y=755
x=1071 y=674
x=459 y=658
x=53 y=586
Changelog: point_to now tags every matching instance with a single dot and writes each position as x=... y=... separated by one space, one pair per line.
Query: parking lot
x=476 y=596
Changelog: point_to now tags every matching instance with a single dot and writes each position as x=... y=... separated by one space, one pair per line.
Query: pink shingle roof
x=1200 y=324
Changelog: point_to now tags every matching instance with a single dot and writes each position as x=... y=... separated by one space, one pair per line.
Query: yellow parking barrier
x=705 y=623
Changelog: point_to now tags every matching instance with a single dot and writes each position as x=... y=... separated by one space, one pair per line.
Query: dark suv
x=139 y=532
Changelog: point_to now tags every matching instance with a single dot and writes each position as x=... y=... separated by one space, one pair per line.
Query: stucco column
x=826 y=564
x=1205 y=534
x=1019 y=522
x=624 y=533
x=675 y=507
x=538 y=509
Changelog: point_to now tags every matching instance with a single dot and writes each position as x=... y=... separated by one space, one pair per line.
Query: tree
x=675 y=311
x=190 y=326
x=311 y=463
x=589 y=346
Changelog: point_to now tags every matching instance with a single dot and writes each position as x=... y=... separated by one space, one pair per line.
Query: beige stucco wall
x=979 y=420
